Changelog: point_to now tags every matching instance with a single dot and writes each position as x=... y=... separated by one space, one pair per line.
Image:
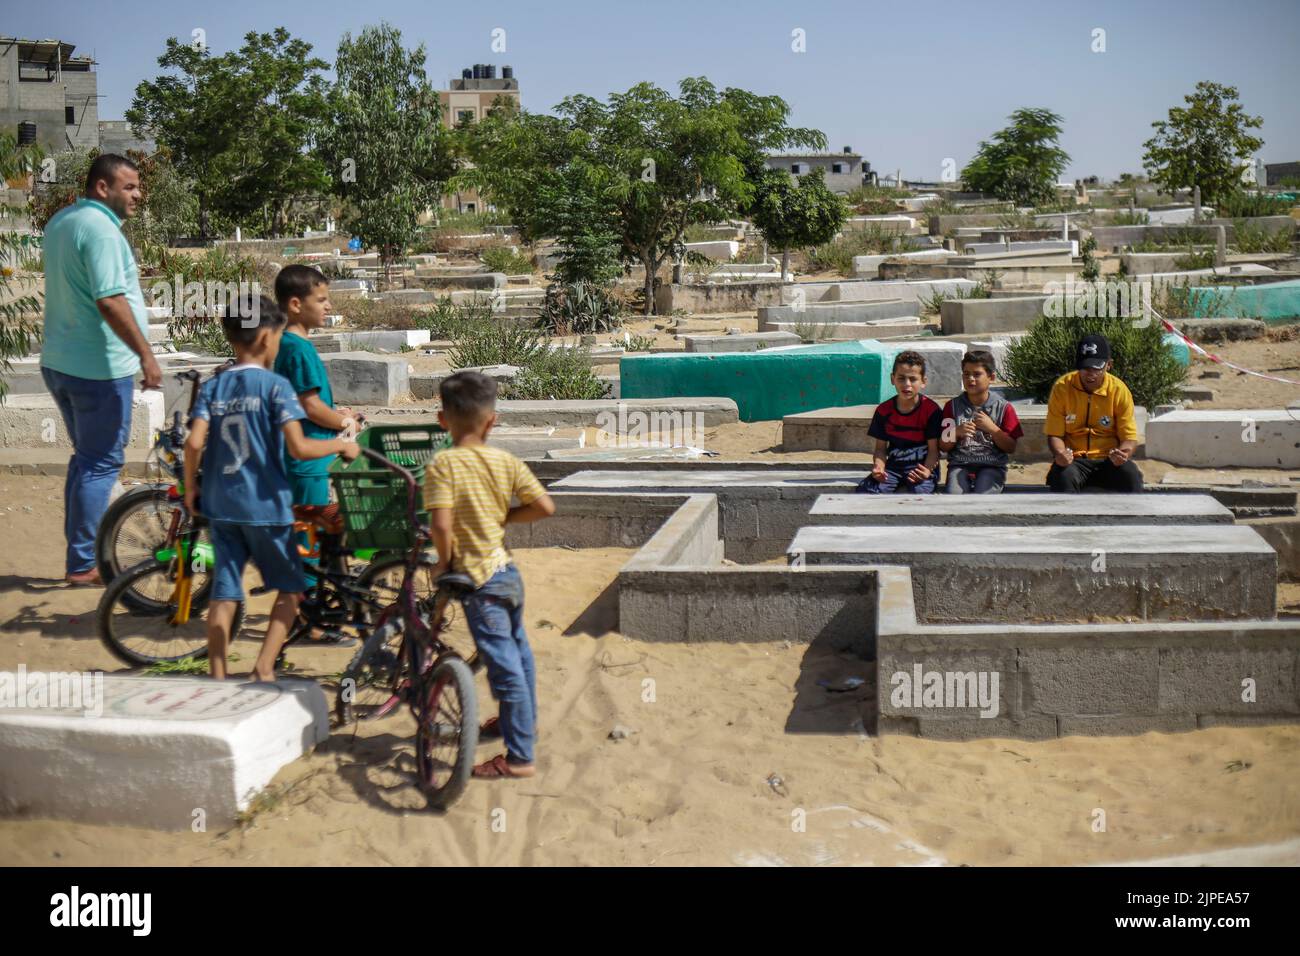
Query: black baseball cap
x=1093 y=352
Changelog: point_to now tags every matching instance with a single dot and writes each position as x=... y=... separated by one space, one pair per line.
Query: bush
x=837 y=255
x=201 y=334
x=1245 y=206
x=506 y=259
x=562 y=374
x=1131 y=217
x=1252 y=238
x=1150 y=370
x=480 y=338
x=580 y=308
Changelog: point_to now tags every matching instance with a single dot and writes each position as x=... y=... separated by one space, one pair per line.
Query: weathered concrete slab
x=1222 y=330
x=1224 y=438
x=849 y=331
x=365 y=378
x=33 y=421
x=382 y=340
x=744 y=342
x=1065 y=572
x=1017 y=509
x=154 y=751
x=834 y=313
x=984 y=316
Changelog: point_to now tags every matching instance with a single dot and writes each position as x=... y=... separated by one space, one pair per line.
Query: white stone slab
x=158 y=749
x=1226 y=438
x=1021 y=509
x=33 y=421
x=720 y=249
x=389 y=341
x=703 y=480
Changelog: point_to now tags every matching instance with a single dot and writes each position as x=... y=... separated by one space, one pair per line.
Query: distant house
x=466 y=101
x=47 y=95
x=844 y=171
x=1274 y=173
x=115 y=136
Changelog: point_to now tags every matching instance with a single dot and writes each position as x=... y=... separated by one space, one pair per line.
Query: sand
x=737 y=757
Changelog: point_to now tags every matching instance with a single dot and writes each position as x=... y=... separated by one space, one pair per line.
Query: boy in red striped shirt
x=906 y=429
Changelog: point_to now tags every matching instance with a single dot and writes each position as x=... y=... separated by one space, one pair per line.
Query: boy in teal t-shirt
x=303 y=293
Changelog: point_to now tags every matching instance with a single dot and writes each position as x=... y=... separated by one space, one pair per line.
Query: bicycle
x=406 y=658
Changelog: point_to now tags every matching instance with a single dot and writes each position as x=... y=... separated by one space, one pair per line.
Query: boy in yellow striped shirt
x=467 y=492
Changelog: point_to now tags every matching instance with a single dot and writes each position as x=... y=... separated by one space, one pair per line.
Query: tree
x=239 y=125
x=1203 y=143
x=793 y=215
x=1023 y=162
x=19 y=308
x=647 y=164
x=385 y=147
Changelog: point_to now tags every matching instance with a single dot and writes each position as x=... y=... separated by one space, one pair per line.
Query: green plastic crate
x=372 y=500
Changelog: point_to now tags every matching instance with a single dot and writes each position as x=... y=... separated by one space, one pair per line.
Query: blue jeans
x=97 y=415
x=988 y=479
x=495 y=614
x=895 y=483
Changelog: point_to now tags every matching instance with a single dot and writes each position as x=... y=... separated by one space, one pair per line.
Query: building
x=47 y=95
x=1275 y=173
x=115 y=136
x=844 y=171
x=468 y=100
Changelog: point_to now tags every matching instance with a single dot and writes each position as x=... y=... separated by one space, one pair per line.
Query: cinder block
x=1198 y=681
x=896 y=675
x=738 y=518
x=1126 y=725
x=1029 y=727
x=1090 y=681
x=651 y=615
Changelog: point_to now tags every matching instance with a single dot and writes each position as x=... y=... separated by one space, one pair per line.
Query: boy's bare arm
x=193 y=449
x=440 y=527
x=931 y=454
x=879 y=457
x=321 y=414
x=543 y=507
x=307 y=449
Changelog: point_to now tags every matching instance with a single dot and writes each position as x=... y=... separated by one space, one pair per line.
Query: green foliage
x=507 y=260
x=639 y=168
x=1131 y=217
x=837 y=255
x=238 y=125
x=1202 y=144
x=20 y=306
x=638 y=343
x=1195 y=259
x=1252 y=238
x=169 y=210
x=384 y=144
x=1243 y=205
x=1023 y=162
x=1150 y=370
x=480 y=338
x=983 y=289
x=199 y=333
x=792 y=214
x=1091 y=267
x=560 y=374
x=580 y=309
x=61 y=179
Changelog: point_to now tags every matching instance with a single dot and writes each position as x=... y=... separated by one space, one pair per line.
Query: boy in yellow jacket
x=1090 y=425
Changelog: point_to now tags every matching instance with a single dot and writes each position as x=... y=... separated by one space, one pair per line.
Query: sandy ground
x=741 y=757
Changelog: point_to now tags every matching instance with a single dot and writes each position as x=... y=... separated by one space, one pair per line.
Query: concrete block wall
x=1097 y=679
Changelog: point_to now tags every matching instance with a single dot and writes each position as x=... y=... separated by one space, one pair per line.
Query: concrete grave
x=153 y=750
x=364 y=378
x=1017 y=509
x=1065 y=572
x=386 y=340
x=960 y=316
x=744 y=342
x=1218 y=438
x=34 y=421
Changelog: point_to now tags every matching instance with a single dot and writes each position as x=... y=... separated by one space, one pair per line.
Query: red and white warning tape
x=1222 y=361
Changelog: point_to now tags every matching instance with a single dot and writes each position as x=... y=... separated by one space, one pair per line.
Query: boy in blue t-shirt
x=253 y=416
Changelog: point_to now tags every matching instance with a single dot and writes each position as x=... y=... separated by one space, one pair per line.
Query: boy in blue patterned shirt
x=253 y=415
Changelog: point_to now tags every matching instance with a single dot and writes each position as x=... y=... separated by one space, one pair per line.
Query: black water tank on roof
x=491 y=73
x=507 y=72
x=26 y=133
x=467 y=74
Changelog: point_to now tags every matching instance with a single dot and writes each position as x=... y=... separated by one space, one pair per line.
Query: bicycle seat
x=325 y=518
x=456 y=582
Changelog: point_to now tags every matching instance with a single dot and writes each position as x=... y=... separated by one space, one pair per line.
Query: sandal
x=499 y=767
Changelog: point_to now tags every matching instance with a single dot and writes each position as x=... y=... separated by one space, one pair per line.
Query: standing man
x=95 y=341
x=1091 y=427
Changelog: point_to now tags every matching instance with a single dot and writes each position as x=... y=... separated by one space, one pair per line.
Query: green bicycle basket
x=372 y=500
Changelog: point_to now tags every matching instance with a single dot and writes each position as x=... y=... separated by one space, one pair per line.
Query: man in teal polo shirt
x=95 y=341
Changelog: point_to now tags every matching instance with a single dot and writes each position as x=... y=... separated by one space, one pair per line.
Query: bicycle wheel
x=366 y=689
x=132 y=530
x=149 y=638
x=383 y=579
x=448 y=731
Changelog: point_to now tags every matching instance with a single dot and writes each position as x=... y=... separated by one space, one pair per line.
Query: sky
x=907 y=85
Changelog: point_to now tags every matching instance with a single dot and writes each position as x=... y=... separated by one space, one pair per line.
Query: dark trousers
x=1097 y=473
